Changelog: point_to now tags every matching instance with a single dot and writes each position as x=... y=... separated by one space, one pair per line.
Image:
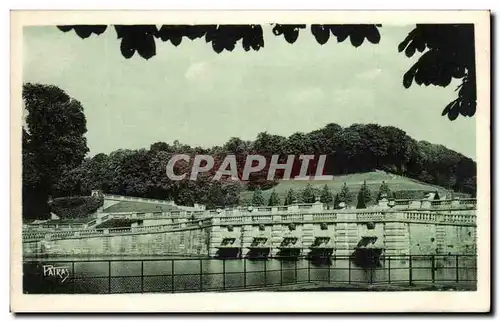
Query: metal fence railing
x=204 y=274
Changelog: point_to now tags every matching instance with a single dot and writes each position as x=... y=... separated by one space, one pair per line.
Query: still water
x=131 y=275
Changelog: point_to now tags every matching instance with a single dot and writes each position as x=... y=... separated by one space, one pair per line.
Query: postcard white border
x=478 y=301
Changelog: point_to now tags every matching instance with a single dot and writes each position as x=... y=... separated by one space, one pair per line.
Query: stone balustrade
x=315 y=207
x=31 y=236
x=137 y=199
x=421 y=211
x=256 y=218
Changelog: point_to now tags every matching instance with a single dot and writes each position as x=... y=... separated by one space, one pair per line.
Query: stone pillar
x=276 y=234
x=276 y=237
x=426 y=204
x=246 y=238
x=248 y=230
x=397 y=238
x=346 y=233
x=415 y=204
x=215 y=236
x=383 y=203
x=440 y=239
x=308 y=233
x=317 y=206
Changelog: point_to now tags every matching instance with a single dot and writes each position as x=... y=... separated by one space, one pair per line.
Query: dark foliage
x=364 y=197
x=447 y=49
x=52 y=141
x=356 y=33
x=290 y=197
x=326 y=195
x=448 y=52
x=75 y=207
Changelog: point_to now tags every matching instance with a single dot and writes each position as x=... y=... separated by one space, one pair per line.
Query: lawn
x=354 y=182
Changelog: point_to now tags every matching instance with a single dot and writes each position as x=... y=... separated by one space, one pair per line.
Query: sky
x=191 y=94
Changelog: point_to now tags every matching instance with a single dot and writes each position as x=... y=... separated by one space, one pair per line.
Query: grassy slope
x=354 y=182
x=127 y=206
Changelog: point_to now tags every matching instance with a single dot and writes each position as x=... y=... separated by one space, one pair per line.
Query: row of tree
x=310 y=195
x=358 y=148
x=54 y=147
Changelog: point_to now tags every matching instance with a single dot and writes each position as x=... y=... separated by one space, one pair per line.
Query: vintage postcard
x=250 y=161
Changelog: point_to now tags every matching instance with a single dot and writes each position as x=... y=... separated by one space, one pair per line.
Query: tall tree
x=274 y=199
x=290 y=197
x=308 y=194
x=364 y=196
x=336 y=201
x=345 y=195
x=232 y=193
x=257 y=198
x=384 y=191
x=53 y=142
x=326 y=195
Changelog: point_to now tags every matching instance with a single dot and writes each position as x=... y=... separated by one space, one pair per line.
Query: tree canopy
x=345 y=194
x=326 y=195
x=353 y=149
x=290 y=197
x=258 y=198
x=274 y=199
x=364 y=196
x=308 y=194
x=52 y=142
x=384 y=191
x=447 y=50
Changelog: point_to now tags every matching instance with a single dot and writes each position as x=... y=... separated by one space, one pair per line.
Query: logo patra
x=60 y=272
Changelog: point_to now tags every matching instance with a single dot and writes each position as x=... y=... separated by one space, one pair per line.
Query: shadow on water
x=321 y=261
x=367 y=258
x=258 y=253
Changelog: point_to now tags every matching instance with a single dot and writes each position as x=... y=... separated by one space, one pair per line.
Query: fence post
x=281 y=273
x=265 y=272
x=244 y=273
x=201 y=274
x=410 y=270
x=73 y=273
x=223 y=274
x=433 y=267
x=389 y=269
x=142 y=276
x=173 y=276
x=309 y=271
x=329 y=271
x=349 y=270
x=296 y=276
x=456 y=268
x=109 y=276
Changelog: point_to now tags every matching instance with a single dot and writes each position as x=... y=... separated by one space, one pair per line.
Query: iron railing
x=204 y=274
